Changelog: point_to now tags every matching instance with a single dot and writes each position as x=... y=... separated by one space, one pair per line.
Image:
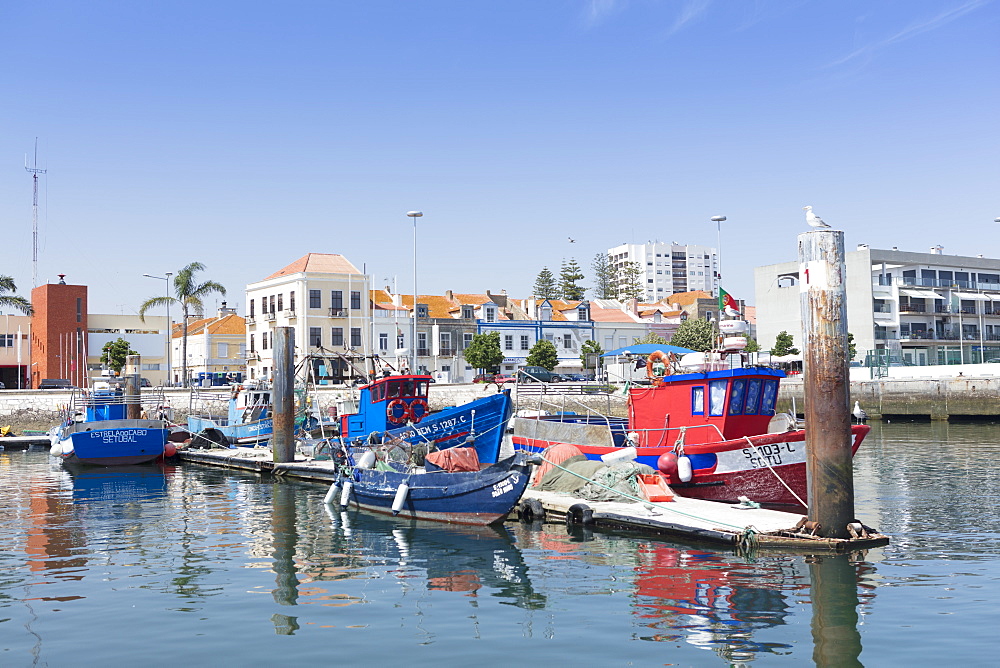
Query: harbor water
x=191 y=565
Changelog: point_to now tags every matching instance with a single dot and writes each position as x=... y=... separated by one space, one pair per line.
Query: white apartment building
x=669 y=267
x=324 y=297
x=910 y=308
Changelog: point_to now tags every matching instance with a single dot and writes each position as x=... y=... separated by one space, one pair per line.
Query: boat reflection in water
x=118 y=485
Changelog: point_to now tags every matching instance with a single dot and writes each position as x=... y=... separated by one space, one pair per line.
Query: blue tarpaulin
x=647 y=348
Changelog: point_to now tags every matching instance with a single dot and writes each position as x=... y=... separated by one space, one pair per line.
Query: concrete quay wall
x=934 y=398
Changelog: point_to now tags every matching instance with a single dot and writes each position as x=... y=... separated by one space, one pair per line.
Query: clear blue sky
x=245 y=134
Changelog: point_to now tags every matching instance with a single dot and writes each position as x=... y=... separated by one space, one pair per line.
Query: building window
x=79 y=309
x=490 y=314
x=446 y=343
x=421 y=310
x=467 y=339
x=508 y=342
x=383 y=341
x=6 y=340
x=337 y=300
x=280 y=305
x=223 y=349
x=291 y=301
x=315 y=301
x=263 y=341
x=251 y=307
x=524 y=342
x=253 y=348
x=272 y=303
x=315 y=337
x=609 y=343
x=567 y=341
x=421 y=343
x=355 y=337
x=468 y=313
x=400 y=340
x=337 y=336
x=355 y=299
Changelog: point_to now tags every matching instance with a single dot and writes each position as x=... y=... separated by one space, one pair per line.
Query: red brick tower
x=59 y=333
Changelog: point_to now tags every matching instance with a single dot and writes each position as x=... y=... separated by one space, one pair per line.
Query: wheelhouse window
x=769 y=397
x=753 y=397
x=736 y=397
x=698 y=400
x=717 y=397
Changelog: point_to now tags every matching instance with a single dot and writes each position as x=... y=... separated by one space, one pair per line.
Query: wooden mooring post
x=829 y=472
x=133 y=408
x=283 y=396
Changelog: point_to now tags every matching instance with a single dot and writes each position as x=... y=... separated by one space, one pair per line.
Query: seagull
x=571 y=240
x=812 y=218
x=859 y=413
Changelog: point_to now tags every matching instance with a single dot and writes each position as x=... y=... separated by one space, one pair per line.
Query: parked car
x=55 y=384
x=144 y=382
x=500 y=379
x=576 y=377
x=535 y=374
x=484 y=378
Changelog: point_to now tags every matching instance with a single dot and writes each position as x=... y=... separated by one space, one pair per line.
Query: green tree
x=543 y=354
x=651 y=337
x=752 y=345
x=484 y=352
x=783 y=345
x=13 y=301
x=590 y=348
x=569 y=281
x=189 y=294
x=852 y=347
x=696 y=334
x=114 y=354
x=545 y=285
x=605 y=284
x=630 y=278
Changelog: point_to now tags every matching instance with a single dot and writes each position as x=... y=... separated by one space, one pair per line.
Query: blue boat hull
x=117 y=446
x=475 y=497
x=250 y=432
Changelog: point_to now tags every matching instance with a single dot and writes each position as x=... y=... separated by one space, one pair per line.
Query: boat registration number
x=773 y=454
x=506 y=485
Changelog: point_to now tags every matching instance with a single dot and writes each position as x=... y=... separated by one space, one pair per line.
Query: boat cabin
x=388 y=403
x=251 y=404
x=713 y=406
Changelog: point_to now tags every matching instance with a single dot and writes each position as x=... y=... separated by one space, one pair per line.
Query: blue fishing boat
x=429 y=492
x=96 y=429
x=246 y=421
x=395 y=407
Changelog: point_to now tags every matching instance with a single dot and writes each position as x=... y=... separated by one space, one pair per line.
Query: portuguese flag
x=728 y=304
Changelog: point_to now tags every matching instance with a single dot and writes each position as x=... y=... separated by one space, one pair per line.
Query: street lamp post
x=718 y=220
x=413 y=340
x=169 y=324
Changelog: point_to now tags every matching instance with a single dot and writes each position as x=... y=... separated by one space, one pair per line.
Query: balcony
x=338 y=313
x=423 y=352
x=912 y=308
x=447 y=352
x=250 y=320
x=289 y=313
x=269 y=316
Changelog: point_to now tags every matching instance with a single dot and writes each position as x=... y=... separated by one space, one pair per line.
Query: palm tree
x=13 y=301
x=189 y=295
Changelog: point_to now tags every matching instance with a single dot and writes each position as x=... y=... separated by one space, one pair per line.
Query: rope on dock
x=790 y=490
x=651 y=504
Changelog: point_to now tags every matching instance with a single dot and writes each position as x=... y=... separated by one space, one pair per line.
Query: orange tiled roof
x=322 y=263
x=685 y=298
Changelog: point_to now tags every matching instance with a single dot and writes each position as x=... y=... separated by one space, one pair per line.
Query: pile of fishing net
x=567 y=470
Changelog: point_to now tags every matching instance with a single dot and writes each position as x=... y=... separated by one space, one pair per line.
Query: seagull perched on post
x=812 y=218
x=859 y=413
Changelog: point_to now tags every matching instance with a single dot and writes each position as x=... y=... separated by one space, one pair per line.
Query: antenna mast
x=34 y=171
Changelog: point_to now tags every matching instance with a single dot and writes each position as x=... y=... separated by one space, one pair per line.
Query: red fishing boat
x=703 y=425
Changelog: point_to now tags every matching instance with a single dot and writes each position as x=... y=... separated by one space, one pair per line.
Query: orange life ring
x=668 y=366
x=413 y=413
x=391 y=415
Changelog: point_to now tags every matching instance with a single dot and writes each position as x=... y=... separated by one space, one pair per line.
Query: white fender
x=401 y=492
x=345 y=495
x=331 y=493
x=684 y=468
x=366 y=461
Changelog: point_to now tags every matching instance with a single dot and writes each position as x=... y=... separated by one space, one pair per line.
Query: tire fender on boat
x=579 y=513
x=531 y=510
